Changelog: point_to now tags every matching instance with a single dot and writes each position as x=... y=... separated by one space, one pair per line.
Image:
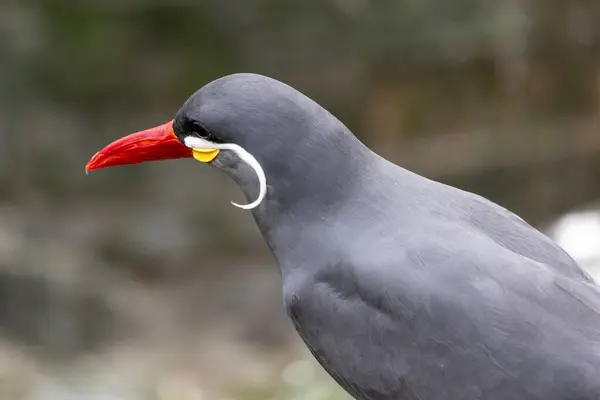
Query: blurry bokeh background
x=143 y=282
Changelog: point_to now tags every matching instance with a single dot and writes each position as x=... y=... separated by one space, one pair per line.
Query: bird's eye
x=200 y=131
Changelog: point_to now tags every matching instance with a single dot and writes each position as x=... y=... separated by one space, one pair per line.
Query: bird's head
x=254 y=128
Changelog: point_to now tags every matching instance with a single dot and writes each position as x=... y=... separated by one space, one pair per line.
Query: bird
x=402 y=287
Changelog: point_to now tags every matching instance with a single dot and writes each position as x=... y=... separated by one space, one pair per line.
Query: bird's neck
x=315 y=176
x=338 y=210
x=303 y=194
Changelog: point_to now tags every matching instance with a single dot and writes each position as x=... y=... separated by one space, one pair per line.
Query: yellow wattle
x=205 y=155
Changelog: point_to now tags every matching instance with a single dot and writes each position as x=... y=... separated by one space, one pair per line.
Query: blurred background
x=144 y=282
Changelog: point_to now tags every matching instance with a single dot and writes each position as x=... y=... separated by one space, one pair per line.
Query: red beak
x=153 y=144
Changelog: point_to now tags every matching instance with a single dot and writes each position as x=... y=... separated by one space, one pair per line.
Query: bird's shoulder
x=436 y=204
x=441 y=262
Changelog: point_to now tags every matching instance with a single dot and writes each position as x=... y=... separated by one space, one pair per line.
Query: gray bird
x=402 y=287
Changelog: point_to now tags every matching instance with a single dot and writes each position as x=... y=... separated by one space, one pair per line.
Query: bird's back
x=474 y=212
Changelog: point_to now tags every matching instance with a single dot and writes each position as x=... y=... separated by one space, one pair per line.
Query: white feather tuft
x=199 y=143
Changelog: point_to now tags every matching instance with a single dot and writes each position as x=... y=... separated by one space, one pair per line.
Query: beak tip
x=92 y=164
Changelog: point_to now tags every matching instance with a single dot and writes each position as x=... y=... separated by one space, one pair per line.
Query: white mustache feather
x=199 y=143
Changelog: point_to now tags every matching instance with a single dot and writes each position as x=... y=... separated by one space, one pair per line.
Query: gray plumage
x=402 y=287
